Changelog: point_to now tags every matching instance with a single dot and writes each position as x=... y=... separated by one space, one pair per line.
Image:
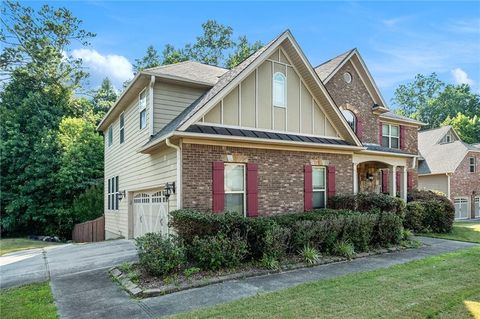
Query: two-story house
x=450 y=166
x=270 y=136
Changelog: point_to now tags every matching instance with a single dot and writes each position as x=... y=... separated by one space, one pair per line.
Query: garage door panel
x=150 y=213
x=462 y=205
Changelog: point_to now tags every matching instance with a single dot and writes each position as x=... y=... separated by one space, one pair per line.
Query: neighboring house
x=272 y=135
x=450 y=166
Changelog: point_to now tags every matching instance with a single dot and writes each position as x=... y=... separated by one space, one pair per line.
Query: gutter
x=179 y=171
x=152 y=84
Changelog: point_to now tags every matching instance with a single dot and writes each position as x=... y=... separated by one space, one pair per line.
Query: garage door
x=150 y=213
x=461 y=208
x=477 y=206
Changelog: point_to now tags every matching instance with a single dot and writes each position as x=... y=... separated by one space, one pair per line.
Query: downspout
x=152 y=84
x=179 y=172
x=448 y=185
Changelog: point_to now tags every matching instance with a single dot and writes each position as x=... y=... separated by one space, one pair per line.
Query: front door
x=150 y=213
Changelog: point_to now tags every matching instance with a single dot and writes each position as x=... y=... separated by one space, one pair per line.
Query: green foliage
x=103 y=99
x=151 y=59
x=344 y=249
x=430 y=100
x=309 y=254
x=342 y=201
x=242 y=51
x=160 y=256
x=388 y=230
x=269 y=262
x=366 y=202
x=406 y=234
x=414 y=216
x=189 y=272
x=218 y=251
x=468 y=128
x=429 y=212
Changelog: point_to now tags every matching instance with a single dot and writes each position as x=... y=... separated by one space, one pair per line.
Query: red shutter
x=359 y=128
x=308 y=201
x=380 y=128
x=398 y=181
x=252 y=190
x=409 y=181
x=402 y=137
x=384 y=181
x=218 y=187
x=331 y=180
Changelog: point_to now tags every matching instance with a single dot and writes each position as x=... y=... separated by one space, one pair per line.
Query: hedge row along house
x=272 y=135
x=451 y=166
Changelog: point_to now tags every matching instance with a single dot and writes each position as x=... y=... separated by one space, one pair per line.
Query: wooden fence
x=93 y=230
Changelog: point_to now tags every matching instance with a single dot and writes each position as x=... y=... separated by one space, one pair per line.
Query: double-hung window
x=472 y=163
x=319 y=186
x=142 y=108
x=112 y=193
x=390 y=136
x=279 y=90
x=234 y=183
x=110 y=136
x=122 y=128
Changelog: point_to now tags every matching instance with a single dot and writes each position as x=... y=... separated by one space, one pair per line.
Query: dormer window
x=279 y=90
x=448 y=138
x=351 y=119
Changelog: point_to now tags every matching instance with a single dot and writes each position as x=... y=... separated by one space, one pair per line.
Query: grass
x=444 y=286
x=30 y=301
x=9 y=245
x=462 y=231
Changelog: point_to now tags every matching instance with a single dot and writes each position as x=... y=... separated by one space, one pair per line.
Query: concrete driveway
x=37 y=265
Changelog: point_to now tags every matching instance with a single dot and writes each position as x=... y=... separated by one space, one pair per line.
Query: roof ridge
x=435 y=128
x=348 y=51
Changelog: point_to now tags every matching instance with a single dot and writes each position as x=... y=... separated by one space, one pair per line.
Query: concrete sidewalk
x=92 y=294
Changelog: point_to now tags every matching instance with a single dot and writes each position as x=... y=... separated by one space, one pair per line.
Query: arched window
x=351 y=119
x=279 y=90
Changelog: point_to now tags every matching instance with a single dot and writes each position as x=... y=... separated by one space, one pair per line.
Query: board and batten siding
x=169 y=100
x=250 y=104
x=136 y=171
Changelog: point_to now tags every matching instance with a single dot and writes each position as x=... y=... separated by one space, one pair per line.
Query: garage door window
x=235 y=188
x=461 y=208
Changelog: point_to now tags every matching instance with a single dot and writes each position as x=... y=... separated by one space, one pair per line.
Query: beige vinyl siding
x=136 y=171
x=434 y=182
x=169 y=100
x=251 y=104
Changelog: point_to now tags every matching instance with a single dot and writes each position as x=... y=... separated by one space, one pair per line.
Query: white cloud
x=116 y=67
x=461 y=77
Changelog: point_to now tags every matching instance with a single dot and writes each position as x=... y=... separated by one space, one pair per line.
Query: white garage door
x=461 y=208
x=150 y=213
x=477 y=206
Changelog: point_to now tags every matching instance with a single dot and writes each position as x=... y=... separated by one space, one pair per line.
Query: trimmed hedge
x=429 y=212
x=367 y=202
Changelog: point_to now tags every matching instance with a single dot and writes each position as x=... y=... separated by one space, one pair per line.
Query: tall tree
x=243 y=49
x=151 y=59
x=468 y=128
x=172 y=55
x=104 y=98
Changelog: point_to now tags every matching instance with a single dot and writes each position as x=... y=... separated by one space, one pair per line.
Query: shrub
x=438 y=216
x=414 y=216
x=358 y=230
x=344 y=249
x=219 y=251
x=160 y=256
x=342 y=202
x=388 y=229
x=367 y=202
x=275 y=241
x=406 y=234
x=269 y=262
x=309 y=254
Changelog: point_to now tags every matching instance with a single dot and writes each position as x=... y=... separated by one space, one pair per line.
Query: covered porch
x=381 y=174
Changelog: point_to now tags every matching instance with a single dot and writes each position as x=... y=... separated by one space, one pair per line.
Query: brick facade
x=280 y=175
x=462 y=182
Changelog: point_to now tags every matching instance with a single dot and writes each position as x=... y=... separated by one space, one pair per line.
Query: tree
x=243 y=49
x=104 y=98
x=172 y=55
x=468 y=128
x=150 y=60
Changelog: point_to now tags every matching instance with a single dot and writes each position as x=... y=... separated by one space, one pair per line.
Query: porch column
x=403 y=190
x=393 y=180
x=355 y=178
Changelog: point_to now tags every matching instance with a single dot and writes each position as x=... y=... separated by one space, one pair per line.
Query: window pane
x=319 y=199
x=234 y=203
x=318 y=178
x=384 y=129
x=279 y=89
x=385 y=141
x=143 y=119
x=143 y=100
x=122 y=135
x=122 y=120
x=234 y=178
x=394 y=130
x=395 y=142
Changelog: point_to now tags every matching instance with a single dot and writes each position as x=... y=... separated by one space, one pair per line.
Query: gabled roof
x=329 y=67
x=230 y=79
x=189 y=71
x=441 y=158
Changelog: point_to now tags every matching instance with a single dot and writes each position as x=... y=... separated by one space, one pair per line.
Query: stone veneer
x=280 y=175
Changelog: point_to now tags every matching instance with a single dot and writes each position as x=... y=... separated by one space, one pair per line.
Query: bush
x=388 y=230
x=309 y=254
x=438 y=216
x=343 y=202
x=368 y=202
x=344 y=249
x=219 y=251
x=275 y=241
x=414 y=217
x=358 y=230
x=160 y=256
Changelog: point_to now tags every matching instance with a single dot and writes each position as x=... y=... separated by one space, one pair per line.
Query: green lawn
x=445 y=286
x=9 y=245
x=463 y=231
x=31 y=301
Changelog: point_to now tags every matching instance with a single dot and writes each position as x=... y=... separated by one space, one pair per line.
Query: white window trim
x=324 y=190
x=244 y=192
x=110 y=136
x=121 y=128
x=470 y=164
x=142 y=109
x=354 y=118
x=390 y=136
x=284 y=105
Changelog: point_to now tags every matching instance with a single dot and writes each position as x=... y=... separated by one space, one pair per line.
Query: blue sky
x=396 y=39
